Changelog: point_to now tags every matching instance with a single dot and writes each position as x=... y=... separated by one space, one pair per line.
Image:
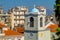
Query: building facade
x=17 y=16
x=28 y=25
x=35 y=25
x=4 y=18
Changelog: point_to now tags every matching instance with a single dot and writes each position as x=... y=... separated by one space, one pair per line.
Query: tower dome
x=34 y=10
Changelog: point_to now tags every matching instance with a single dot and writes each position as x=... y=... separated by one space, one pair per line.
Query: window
x=17 y=17
x=0 y=30
x=15 y=24
x=21 y=21
x=17 y=13
x=22 y=17
x=41 y=22
x=31 y=22
x=17 y=21
x=21 y=13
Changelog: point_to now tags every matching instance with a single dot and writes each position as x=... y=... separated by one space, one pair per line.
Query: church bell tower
x=35 y=24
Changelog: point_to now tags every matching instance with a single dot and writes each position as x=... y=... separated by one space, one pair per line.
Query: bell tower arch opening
x=41 y=22
x=31 y=22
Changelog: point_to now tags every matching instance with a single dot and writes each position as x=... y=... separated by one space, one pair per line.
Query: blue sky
x=7 y=4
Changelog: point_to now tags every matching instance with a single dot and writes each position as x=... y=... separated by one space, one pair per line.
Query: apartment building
x=17 y=16
x=4 y=18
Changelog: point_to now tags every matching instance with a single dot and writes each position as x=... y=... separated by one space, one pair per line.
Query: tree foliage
x=57 y=11
x=57 y=15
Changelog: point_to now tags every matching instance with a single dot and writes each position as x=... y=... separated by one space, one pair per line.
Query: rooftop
x=34 y=10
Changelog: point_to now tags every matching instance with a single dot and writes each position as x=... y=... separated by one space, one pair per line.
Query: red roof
x=53 y=27
x=2 y=25
x=11 y=32
x=20 y=29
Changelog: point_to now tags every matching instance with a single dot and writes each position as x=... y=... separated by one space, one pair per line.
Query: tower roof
x=34 y=10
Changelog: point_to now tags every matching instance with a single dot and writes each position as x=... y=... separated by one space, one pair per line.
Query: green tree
x=57 y=15
x=57 y=11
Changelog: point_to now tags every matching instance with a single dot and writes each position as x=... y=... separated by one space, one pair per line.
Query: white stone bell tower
x=35 y=25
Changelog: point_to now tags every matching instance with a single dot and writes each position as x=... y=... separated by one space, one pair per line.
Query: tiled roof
x=53 y=27
x=11 y=33
x=2 y=25
x=20 y=29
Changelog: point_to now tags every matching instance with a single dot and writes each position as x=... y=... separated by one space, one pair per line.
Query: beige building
x=14 y=17
x=5 y=18
x=17 y=16
x=1 y=10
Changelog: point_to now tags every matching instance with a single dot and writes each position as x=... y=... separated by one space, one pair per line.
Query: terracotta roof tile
x=20 y=29
x=2 y=25
x=11 y=32
x=53 y=27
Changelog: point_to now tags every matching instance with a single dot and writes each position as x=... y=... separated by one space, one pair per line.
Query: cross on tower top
x=34 y=5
